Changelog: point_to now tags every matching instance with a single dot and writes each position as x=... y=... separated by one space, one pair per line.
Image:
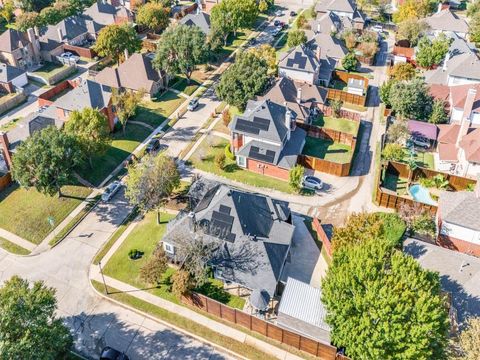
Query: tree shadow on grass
x=231 y=168
x=214 y=292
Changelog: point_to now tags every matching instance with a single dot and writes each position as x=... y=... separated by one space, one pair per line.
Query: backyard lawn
x=154 y=112
x=327 y=150
x=118 y=150
x=145 y=237
x=338 y=124
x=204 y=159
x=182 y=85
x=25 y=212
x=422 y=158
x=49 y=69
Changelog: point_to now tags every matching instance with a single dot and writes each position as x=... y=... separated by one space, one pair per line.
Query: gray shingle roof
x=330 y=46
x=88 y=94
x=271 y=114
x=201 y=19
x=347 y=6
x=104 y=13
x=11 y=40
x=460 y=208
x=8 y=72
x=252 y=249
x=446 y=20
x=300 y=58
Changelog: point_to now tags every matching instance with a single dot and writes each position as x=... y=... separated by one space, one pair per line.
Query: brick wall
x=267 y=169
x=45 y=98
x=7 y=87
x=458 y=245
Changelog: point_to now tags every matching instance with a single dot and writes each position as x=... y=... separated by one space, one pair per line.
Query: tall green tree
x=385 y=90
x=295 y=176
x=243 y=80
x=126 y=104
x=350 y=62
x=438 y=115
x=469 y=340
x=90 y=129
x=232 y=15
x=153 y=16
x=180 y=50
x=296 y=37
x=114 y=39
x=29 y=328
x=382 y=305
x=411 y=100
x=432 y=52
x=33 y=5
x=46 y=161
x=221 y=21
x=151 y=182
x=28 y=20
x=412 y=30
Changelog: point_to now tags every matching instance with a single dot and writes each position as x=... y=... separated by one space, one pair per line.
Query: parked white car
x=68 y=57
x=111 y=190
x=377 y=28
x=312 y=182
x=192 y=105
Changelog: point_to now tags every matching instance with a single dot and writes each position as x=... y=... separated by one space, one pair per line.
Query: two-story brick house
x=266 y=140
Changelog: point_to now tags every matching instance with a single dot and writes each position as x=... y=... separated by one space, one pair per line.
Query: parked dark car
x=109 y=353
x=276 y=22
x=153 y=145
x=293 y=13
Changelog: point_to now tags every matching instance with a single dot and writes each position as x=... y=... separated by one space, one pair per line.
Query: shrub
x=152 y=271
x=393 y=152
x=220 y=161
x=336 y=106
x=228 y=152
x=226 y=117
x=135 y=254
x=296 y=176
x=368 y=49
x=181 y=283
x=350 y=62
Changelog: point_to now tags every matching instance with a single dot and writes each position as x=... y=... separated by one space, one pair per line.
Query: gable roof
x=460 y=208
x=285 y=90
x=458 y=95
x=300 y=58
x=88 y=94
x=104 y=13
x=200 y=19
x=135 y=73
x=329 y=45
x=252 y=233
x=11 y=40
x=347 y=6
x=446 y=20
x=8 y=72
x=264 y=120
x=470 y=143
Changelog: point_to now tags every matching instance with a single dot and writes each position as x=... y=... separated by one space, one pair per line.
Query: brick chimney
x=318 y=53
x=5 y=149
x=467 y=112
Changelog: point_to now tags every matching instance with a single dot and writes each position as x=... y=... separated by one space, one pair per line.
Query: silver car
x=420 y=142
x=312 y=182
x=111 y=190
x=192 y=105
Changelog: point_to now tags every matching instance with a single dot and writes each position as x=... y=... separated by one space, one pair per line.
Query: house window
x=168 y=248
x=66 y=113
x=241 y=161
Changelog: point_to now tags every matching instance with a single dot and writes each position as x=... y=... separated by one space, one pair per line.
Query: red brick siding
x=237 y=142
x=458 y=245
x=45 y=98
x=267 y=169
x=7 y=87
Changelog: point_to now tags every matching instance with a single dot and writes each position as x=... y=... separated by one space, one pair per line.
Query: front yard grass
x=118 y=150
x=25 y=212
x=155 y=112
x=327 y=150
x=338 y=124
x=12 y=247
x=183 y=86
x=145 y=237
x=204 y=159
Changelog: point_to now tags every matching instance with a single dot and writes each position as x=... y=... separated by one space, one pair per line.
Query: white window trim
x=169 y=248
x=239 y=162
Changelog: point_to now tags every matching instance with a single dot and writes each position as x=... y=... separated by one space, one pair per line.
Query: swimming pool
x=421 y=194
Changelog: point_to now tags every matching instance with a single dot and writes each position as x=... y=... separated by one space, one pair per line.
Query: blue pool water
x=421 y=194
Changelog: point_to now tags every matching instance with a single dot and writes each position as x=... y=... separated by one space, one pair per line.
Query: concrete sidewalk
x=17 y=240
x=193 y=316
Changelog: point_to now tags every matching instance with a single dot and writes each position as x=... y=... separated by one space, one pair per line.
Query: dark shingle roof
x=201 y=19
x=88 y=94
x=11 y=40
x=300 y=58
x=8 y=72
x=256 y=238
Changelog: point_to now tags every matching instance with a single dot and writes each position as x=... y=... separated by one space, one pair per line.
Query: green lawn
x=155 y=112
x=182 y=85
x=203 y=159
x=13 y=248
x=327 y=150
x=49 y=69
x=25 y=212
x=118 y=150
x=422 y=159
x=338 y=84
x=338 y=124
x=145 y=237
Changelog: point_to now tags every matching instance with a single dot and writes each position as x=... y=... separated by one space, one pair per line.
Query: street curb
x=183 y=331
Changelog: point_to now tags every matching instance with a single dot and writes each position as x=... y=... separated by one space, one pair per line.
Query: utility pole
x=103 y=277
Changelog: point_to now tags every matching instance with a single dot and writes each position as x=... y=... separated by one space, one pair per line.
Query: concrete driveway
x=94 y=321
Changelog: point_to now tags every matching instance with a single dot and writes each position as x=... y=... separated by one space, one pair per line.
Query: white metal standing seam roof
x=303 y=301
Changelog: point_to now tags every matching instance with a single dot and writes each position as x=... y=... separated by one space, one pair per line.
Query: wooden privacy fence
x=328 y=111
x=391 y=200
x=252 y=323
x=322 y=235
x=334 y=94
x=325 y=166
x=345 y=76
x=329 y=134
x=80 y=51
